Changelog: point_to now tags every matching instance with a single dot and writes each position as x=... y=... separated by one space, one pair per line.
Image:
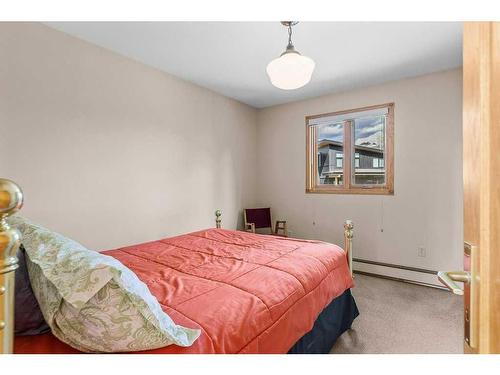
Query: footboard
x=348 y=235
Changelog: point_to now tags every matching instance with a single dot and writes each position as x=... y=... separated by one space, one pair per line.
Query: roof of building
x=327 y=142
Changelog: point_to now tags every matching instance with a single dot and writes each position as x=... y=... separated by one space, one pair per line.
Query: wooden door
x=481 y=169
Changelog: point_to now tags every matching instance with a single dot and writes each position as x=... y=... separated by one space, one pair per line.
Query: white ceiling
x=231 y=57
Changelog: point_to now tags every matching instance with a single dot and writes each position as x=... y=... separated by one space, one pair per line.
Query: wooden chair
x=257 y=218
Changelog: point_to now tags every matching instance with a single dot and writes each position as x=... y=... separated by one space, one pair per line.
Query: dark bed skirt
x=334 y=320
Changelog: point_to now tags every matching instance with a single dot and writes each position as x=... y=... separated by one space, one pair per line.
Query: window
x=339 y=159
x=351 y=151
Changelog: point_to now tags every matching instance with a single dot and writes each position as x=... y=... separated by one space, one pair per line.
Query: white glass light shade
x=290 y=71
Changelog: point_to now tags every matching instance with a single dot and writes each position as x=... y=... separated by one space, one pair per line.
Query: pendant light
x=291 y=70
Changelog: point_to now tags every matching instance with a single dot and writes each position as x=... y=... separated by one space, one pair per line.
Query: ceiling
x=231 y=57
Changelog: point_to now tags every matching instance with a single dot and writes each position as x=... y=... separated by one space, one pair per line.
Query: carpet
x=397 y=317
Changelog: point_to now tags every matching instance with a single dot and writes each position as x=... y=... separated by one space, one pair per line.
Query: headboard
x=11 y=200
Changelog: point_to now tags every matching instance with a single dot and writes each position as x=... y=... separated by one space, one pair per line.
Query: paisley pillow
x=92 y=301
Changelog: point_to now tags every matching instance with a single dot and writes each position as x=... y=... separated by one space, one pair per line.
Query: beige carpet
x=396 y=317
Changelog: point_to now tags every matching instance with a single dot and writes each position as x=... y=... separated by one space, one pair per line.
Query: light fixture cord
x=290 y=44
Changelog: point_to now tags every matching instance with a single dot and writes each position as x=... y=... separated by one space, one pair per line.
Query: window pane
x=338 y=162
x=369 y=144
x=330 y=147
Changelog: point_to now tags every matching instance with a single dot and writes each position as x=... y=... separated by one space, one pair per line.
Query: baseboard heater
x=398 y=266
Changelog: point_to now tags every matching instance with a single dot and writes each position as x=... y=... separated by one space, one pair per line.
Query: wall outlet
x=421 y=251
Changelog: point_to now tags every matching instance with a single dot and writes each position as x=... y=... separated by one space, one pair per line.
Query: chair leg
x=250 y=227
x=281 y=226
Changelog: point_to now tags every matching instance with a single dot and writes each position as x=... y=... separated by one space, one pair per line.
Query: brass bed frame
x=11 y=201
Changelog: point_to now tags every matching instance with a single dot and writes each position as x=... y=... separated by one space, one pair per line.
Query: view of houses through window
x=369 y=144
x=363 y=134
x=330 y=141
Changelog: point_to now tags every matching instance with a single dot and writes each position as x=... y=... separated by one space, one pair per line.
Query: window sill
x=352 y=190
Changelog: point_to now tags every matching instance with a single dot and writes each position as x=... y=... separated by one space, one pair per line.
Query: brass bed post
x=218 y=220
x=11 y=200
x=348 y=235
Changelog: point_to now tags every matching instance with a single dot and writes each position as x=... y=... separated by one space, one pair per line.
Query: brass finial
x=11 y=201
x=11 y=198
x=349 y=229
x=218 y=220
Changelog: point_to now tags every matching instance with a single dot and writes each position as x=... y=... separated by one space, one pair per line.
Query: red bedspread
x=248 y=293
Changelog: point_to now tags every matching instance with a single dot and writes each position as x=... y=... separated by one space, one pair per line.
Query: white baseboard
x=417 y=277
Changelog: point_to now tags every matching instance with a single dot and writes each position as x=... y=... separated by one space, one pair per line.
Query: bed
x=247 y=293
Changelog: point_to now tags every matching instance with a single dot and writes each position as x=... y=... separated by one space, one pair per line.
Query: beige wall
x=112 y=152
x=426 y=209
